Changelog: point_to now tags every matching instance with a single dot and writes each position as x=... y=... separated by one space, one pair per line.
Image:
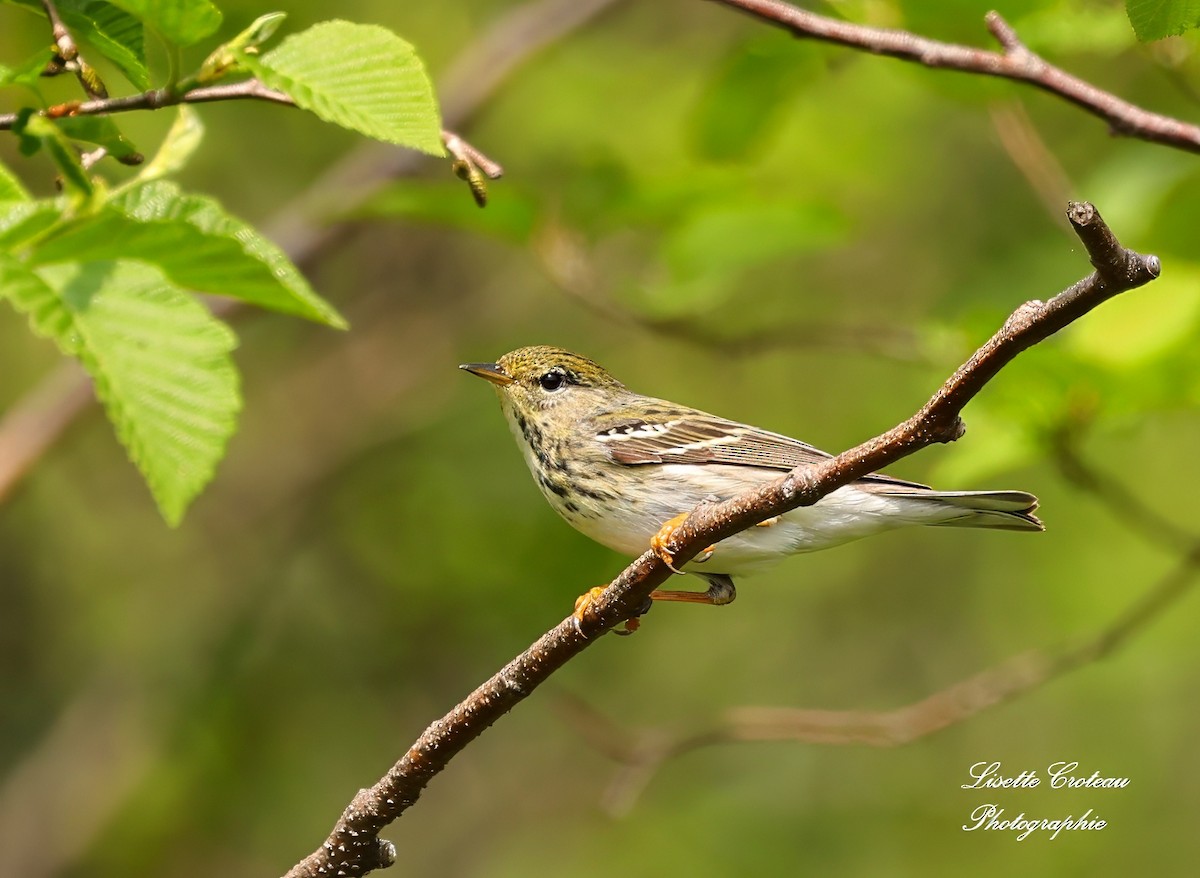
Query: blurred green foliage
x=207 y=700
x=175 y=422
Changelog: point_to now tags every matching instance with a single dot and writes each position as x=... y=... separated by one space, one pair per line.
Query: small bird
x=626 y=469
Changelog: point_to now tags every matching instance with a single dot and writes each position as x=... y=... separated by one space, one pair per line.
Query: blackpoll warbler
x=624 y=469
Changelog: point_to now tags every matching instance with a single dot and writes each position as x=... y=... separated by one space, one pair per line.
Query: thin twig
x=463 y=151
x=1030 y=155
x=472 y=166
x=354 y=846
x=68 y=51
x=158 y=98
x=1015 y=62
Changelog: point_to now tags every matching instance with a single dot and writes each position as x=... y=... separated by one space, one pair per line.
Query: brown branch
x=247 y=89
x=158 y=98
x=68 y=51
x=354 y=846
x=1015 y=62
x=1117 y=270
x=642 y=753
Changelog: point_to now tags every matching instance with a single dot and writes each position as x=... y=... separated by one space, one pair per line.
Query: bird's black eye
x=553 y=380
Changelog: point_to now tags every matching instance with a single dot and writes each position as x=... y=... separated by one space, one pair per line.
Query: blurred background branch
x=238 y=673
x=643 y=752
x=354 y=846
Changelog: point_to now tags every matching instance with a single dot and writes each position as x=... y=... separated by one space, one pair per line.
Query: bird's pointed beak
x=490 y=371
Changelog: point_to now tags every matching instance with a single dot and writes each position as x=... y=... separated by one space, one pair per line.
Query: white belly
x=627 y=524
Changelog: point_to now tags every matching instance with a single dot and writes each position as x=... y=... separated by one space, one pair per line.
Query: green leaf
x=227 y=55
x=183 y=22
x=28 y=71
x=160 y=362
x=101 y=131
x=115 y=34
x=35 y=130
x=10 y=187
x=177 y=147
x=193 y=242
x=31 y=296
x=1155 y=19
x=21 y=221
x=362 y=77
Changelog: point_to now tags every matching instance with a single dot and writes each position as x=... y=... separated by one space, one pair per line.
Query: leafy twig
x=471 y=165
x=68 y=52
x=354 y=846
x=1015 y=62
x=247 y=89
x=26 y=433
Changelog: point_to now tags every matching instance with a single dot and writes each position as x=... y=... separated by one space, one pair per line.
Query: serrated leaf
x=360 y=76
x=20 y=221
x=160 y=362
x=193 y=242
x=177 y=147
x=1156 y=19
x=31 y=296
x=100 y=131
x=10 y=187
x=182 y=22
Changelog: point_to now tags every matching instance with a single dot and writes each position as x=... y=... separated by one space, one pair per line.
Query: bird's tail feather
x=1000 y=510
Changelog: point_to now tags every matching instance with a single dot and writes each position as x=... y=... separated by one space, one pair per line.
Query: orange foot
x=584 y=602
x=661 y=540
